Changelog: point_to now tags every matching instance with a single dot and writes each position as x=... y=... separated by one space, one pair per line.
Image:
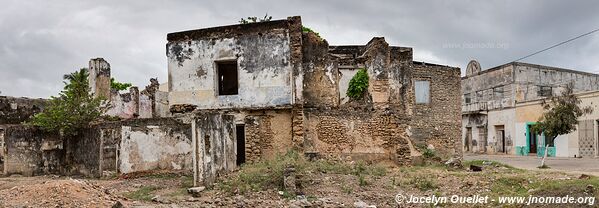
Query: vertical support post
x=101 y=153
x=194 y=142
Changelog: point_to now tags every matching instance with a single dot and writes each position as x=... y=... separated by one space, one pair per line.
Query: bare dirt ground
x=323 y=184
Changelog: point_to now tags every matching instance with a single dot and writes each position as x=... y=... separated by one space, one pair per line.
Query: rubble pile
x=60 y=193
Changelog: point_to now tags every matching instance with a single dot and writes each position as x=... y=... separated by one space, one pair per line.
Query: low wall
x=361 y=134
x=30 y=151
x=155 y=144
x=126 y=146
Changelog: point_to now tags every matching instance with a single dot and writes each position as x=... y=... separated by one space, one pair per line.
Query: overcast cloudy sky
x=40 y=40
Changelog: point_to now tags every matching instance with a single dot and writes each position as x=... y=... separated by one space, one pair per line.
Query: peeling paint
x=152 y=148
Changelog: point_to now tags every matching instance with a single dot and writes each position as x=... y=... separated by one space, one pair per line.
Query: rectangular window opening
x=545 y=91
x=467 y=98
x=228 y=83
x=422 y=89
x=498 y=92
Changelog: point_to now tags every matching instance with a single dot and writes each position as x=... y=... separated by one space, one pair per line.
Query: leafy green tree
x=266 y=18
x=74 y=107
x=118 y=85
x=560 y=117
x=358 y=85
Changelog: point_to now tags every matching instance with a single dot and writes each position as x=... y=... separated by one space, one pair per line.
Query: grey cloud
x=41 y=40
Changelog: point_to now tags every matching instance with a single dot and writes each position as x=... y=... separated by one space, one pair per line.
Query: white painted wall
x=562 y=148
x=505 y=117
x=264 y=71
x=154 y=148
x=345 y=75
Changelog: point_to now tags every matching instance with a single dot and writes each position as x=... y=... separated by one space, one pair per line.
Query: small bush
x=325 y=166
x=269 y=174
x=378 y=170
x=362 y=180
x=423 y=183
x=359 y=168
x=308 y=30
x=346 y=189
x=118 y=85
x=428 y=153
x=265 y=174
x=358 y=85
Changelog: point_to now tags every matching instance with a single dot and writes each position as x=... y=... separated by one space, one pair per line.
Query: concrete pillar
x=99 y=77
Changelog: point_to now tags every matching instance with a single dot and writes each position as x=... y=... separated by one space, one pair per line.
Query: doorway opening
x=240 y=144
x=532 y=141
x=500 y=135
x=2 y=150
x=468 y=140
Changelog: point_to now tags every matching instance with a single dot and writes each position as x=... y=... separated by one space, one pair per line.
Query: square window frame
x=429 y=90
x=216 y=73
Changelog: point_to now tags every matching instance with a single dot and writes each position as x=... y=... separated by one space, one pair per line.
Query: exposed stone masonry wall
x=373 y=134
x=259 y=136
x=439 y=122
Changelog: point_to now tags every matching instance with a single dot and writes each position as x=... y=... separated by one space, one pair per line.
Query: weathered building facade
x=14 y=111
x=287 y=90
x=242 y=93
x=500 y=104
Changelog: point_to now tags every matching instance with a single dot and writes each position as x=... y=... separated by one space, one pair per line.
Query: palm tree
x=77 y=82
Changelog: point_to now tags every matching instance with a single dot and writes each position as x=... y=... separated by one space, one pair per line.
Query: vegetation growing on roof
x=254 y=19
x=307 y=30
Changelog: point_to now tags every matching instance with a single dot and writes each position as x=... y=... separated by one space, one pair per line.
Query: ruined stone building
x=14 y=111
x=242 y=93
x=500 y=104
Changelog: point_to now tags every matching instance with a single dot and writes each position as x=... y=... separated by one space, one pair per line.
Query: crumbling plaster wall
x=520 y=82
x=133 y=104
x=529 y=78
x=266 y=58
x=481 y=89
x=124 y=105
x=214 y=146
x=321 y=76
x=387 y=123
x=30 y=151
x=507 y=119
x=14 y=110
x=83 y=153
x=99 y=77
x=148 y=146
x=136 y=104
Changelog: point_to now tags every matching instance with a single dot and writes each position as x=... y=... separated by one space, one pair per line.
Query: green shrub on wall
x=309 y=30
x=358 y=85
